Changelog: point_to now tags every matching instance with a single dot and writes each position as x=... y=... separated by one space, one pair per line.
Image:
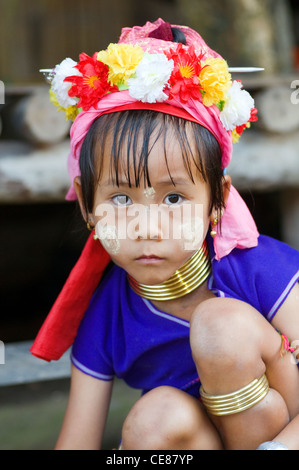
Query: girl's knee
x=226 y=335
x=167 y=418
x=156 y=419
x=224 y=325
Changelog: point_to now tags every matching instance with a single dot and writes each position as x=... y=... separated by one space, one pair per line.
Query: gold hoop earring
x=213 y=232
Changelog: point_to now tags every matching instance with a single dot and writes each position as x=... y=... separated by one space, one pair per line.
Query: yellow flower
x=53 y=98
x=235 y=136
x=122 y=60
x=71 y=112
x=215 y=80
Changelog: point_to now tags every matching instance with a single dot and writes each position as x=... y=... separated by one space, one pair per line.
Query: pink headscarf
x=238 y=229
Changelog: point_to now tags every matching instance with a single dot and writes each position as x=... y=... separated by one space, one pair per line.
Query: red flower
x=93 y=84
x=184 y=80
x=253 y=115
x=253 y=118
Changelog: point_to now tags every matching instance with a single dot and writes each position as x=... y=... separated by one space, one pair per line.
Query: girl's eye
x=121 y=200
x=173 y=199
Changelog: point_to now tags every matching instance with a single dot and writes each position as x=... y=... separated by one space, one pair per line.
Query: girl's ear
x=78 y=189
x=216 y=214
x=226 y=183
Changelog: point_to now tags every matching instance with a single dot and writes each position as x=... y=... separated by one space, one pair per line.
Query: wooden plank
x=29 y=175
x=35 y=119
x=21 y=367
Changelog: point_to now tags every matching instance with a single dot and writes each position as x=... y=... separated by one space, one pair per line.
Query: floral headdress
x=178 y=71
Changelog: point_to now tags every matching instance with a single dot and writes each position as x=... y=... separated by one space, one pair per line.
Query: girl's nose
x=150 y=224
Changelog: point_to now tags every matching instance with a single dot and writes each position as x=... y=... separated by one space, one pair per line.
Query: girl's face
x=151 y=231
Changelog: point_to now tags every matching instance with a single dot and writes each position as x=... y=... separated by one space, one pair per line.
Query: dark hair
x=178 y=36
x=126 y=130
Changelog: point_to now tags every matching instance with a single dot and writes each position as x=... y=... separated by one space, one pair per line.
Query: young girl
x=192 y=297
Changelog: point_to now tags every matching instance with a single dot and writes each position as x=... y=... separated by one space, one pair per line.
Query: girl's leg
x=232 y=344
x=167 y=418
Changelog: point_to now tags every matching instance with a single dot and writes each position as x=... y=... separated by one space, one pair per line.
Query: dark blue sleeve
x=262 y=276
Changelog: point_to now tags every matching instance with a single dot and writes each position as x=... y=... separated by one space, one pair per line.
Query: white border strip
x=216 y=291
x=88 y=371
x=165 y=315
x=281 y=298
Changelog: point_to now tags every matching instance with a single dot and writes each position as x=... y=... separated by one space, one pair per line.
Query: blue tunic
x=126 y=336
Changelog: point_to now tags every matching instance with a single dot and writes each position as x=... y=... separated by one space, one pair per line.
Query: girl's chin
x=151 y=276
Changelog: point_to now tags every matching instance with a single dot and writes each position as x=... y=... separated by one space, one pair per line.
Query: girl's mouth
x=149 y=259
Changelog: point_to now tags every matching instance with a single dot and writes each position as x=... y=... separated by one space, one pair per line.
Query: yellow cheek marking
x=108 y=237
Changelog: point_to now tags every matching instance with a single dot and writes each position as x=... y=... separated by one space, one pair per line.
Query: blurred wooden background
x=38 y=34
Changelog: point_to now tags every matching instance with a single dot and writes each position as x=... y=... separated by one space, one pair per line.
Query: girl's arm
x=85 y=418
x=287 y=321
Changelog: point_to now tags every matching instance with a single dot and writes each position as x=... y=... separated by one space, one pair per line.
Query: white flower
x=61 y=88
x=150 y=79
x=237 y=108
